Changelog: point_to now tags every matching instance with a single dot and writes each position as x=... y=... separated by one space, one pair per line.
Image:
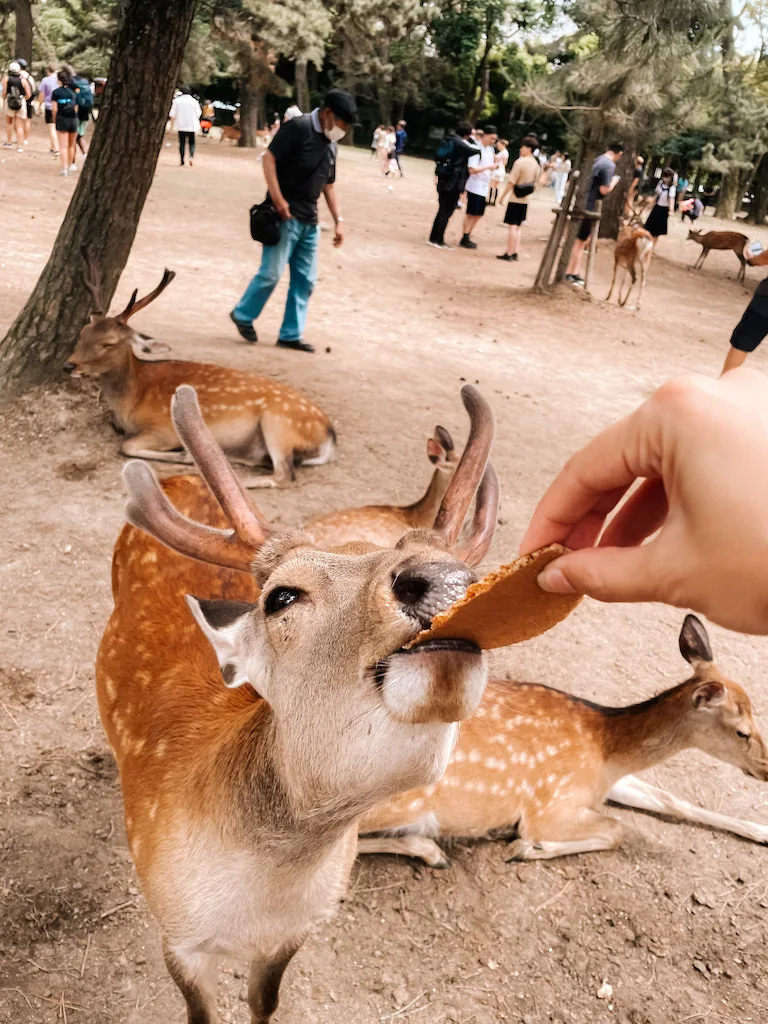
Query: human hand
x=282 y=208
x=338 y=235
x=700 y=447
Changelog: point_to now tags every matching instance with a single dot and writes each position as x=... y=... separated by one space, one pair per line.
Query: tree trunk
x=23 y=9
x=589 y=152
x=302 y=86
x=730 y=196
x=385 y=103
x=759 y=208
x=251 y=101
x=614 y=202
x=105 y=209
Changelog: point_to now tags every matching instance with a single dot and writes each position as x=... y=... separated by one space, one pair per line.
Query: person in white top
x=561 y=168
x=291 y=112
x=185 y=117
x=658 y=219
x=499 y=172
x=480 y=169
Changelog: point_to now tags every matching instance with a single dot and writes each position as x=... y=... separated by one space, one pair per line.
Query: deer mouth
x=379 y=670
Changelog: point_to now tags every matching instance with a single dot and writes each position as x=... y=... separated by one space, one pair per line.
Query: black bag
x=521 y=191
x=265 y=223
x=15 y=93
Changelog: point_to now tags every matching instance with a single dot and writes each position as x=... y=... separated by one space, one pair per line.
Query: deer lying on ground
x=633 y=251
x=242 y=801
x=733 y=240
x=537 y=764
x=256 y=420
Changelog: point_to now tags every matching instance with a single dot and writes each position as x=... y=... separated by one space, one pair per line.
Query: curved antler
x=475 y=547
x=92 y=280
x=471 y=467
x=149 y=509
x=134 y=306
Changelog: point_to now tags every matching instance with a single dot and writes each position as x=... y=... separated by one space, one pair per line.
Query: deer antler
x=149 y=509
x=92 y=280
x=134 y=306
x=476 y=546
x=471 y=467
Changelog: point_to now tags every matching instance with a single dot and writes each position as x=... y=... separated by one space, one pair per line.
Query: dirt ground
x=674 y=921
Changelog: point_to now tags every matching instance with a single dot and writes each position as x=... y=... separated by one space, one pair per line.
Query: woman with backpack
x=16 y=91
x=657 y=223
x=64 y=109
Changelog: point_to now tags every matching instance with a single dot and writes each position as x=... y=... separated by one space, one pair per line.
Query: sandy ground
x=674 y=920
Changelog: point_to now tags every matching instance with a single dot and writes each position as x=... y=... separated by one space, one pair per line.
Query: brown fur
x=733 y=240
x=632 y=253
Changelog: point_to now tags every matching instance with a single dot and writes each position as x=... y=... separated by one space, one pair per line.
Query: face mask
x=334 y=134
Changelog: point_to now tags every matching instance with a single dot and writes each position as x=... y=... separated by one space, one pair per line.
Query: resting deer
x=733 y=240
x=256 y=420
x=538 y=764
x=246 y=762
x=633 y=251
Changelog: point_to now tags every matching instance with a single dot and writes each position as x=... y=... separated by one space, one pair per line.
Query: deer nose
x=69 y=367
x=427 y=588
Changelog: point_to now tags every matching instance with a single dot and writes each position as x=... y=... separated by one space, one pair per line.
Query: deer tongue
x=505 y=607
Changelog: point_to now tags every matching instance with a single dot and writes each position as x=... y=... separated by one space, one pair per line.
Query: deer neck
x=645 y=734
x=120 y=386
x=424 y=511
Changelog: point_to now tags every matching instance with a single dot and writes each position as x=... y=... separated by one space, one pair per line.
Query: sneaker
x=26 y=142
x=439 y=245
x=64 y=173
x=508 y=258
x=467 y=243
x=245 y=330
x=19 y=149
x=298 y=344
x=73 y=168
x=7 y=145
x=575 y=279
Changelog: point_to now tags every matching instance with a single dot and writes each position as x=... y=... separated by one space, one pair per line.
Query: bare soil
x=674 y=921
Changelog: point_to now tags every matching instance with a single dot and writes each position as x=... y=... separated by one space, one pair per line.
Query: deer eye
x=280 y=598
x=742 y=735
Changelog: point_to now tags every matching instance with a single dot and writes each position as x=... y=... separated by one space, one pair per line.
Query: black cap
x=342 y=105
x=21 y=62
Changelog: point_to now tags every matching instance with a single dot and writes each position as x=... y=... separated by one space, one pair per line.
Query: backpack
x=443 y=163
x=15 y=93
x=84 y=94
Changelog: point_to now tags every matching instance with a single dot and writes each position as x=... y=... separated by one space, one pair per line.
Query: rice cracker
x=505 y=607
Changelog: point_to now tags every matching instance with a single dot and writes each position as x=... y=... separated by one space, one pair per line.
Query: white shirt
x=664 y=194
x=292 y=111
x=479 y=184
x=185 y=113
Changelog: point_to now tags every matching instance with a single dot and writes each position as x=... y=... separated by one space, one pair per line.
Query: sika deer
x=733 y=240
x=386 y=524
x=242 y=800
x=255 y=419
x=538 y=764
x=633 y=251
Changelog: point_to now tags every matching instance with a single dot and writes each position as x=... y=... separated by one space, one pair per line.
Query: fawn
x=633 y=251
x=733 y=240
x=242 y=802
x=536 y=765
x=256 y=420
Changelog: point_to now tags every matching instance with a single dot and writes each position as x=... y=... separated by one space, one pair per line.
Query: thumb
x=606 y=574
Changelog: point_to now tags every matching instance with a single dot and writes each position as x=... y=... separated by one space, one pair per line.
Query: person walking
x=638 y=175
x=401 y=137
x=499 y=172
x=299 y=165
x=207 y=116
x=753 y=326
x=81 y=85
x=522 y=183
x=451 y=172
x=47 y=85
x=480 y=169
x=28 y=77
x=382 y=149
x=602 y=182
x=16 y=92
x=657 y=222
x=64 y=109
x=561 y=170
x=185 y=117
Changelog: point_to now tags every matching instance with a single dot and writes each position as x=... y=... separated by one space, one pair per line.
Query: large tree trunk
x=759 y=207
x=23 y=10
x=250 y=112
x=385 y=102
x=614 y=202
x=106 y=206
x=302 y=86
x=730 y=196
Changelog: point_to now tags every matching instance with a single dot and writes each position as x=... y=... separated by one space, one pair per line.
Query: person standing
x=451 y=171
x=602 y=182
x=16 y=92
x=499 y=172
x=561 y=169
x=657 y=222
x=64 y=109
x=299 y=165
x=29 y=79
x=522 y=183
x=47 y=85
x=382 y=149
x=753 y=326
x=636 y=184
x=401 y=137
x=480 y=169
x=207 y=116
x=81 y=84
x=185 y=116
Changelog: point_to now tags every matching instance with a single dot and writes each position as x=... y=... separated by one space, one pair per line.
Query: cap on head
x=185 y=90
x=14 y=67
x=342 y=105
x=22 y=63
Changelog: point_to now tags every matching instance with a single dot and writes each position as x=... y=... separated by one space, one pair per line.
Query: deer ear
x=225 y=624
x=694 y=641
x=434 y=451
x=144 y=346
x=708 y=695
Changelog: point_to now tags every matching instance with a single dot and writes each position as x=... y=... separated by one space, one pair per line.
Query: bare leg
x=264 y=984
x=72 y=149
x=469 y=223
x=587 y=832
x=574 y=263
x=513 y=241
x=419 y=847
x=52 y=135
x=63 y=150
x=195 y=975
x=8 y=129
x=734 y=358
x=633 y=792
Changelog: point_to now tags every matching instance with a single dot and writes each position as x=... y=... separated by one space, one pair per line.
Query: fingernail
x=554 y=582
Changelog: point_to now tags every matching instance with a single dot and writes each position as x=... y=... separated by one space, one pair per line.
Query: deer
x=535 y=765
x=733 y=240
x=257 y=420
x=251 y=735
x=231 y=132
x=633 y=251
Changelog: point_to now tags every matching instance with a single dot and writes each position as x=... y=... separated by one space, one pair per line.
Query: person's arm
x=699 y=448
x=333 y=205
x=671 y=199
x=269 y=166
x=54 y=109
x=27 y=88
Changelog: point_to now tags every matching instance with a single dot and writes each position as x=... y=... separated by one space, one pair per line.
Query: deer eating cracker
x=505 y=607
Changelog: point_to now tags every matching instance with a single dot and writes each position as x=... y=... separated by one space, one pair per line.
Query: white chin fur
x=434 y=686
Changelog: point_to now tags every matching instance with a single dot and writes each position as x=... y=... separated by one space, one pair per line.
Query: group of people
x=66 y=99
x=388 y=145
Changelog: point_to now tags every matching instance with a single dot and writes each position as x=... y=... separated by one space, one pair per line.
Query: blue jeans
x=298 y=248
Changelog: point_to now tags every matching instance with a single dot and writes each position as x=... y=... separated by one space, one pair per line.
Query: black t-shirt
x=306 y=163
x=66 y=100
x=461 y=151
x=603 y=170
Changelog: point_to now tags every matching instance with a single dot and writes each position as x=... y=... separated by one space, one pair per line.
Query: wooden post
x=542 y=282
x=593 y=243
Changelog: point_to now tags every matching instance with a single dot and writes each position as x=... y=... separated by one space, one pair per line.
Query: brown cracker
x=505 y=607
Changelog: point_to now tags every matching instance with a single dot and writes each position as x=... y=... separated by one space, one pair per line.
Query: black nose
x=69 y=367
x=426 y=588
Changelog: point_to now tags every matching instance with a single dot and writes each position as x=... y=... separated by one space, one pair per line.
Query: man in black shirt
x=753 y=326
x=452 y=174
x=299 y=165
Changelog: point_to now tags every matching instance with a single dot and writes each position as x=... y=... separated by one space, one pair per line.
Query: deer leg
x=587 y=832
x=742 y=268
x=700 y=261
x=613 y=282
x=633 y=792
x=195 y=976
x=264 y=983
x=419 y=847
x=632 y=278
x=643 y=276
x=154 y=447
x=278 y=437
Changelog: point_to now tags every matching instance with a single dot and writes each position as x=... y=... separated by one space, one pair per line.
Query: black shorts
x=83 y=115
x=475 y=205
x=516 y=213
x=752 y=327
x=66 y=124
x=585 y=229
x=48 y=115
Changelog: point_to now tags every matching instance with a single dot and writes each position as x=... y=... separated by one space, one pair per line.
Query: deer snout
x=69 y=367
x=427 y=588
